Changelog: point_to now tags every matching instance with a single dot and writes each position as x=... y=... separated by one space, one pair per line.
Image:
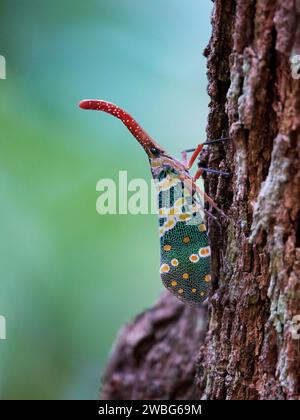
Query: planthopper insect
x=185 y=252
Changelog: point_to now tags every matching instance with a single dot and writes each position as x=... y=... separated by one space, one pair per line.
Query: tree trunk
x=249 y=349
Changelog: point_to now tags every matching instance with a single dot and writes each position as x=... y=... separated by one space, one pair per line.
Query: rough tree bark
x=249 y=347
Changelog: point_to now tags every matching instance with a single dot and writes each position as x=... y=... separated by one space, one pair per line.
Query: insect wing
x=185 y=252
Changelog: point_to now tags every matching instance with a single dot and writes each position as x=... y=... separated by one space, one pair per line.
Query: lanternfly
x=184 y=249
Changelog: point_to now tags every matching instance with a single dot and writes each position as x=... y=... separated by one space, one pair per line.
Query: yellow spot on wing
x=202 y=227
x=165 y=268
x=167 y=183
x=173 y=283
x=179 y=202
x=184 y=216
x=155 y=164
x=186 y=240
x=204 y=252
x=194 y=258
x=180 y=291
x=174 y=262
x=167 y=248
x=207 y=277
x=185 y=276
x=169 y=223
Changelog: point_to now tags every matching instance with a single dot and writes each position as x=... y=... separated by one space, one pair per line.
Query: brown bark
x=150 y=361
x=249 y=350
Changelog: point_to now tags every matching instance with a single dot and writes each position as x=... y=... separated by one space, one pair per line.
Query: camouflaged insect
x=185 y=253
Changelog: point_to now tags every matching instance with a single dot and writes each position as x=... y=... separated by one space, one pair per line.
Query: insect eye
x=154 y=151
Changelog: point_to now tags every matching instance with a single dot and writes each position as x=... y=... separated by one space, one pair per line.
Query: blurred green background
x=69 y=277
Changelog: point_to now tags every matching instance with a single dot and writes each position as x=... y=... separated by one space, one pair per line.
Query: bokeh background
x=69 y=277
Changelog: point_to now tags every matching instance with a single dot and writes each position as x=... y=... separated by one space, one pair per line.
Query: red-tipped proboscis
x=137 y=131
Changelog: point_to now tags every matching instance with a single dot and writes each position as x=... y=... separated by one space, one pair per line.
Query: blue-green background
x=70 y=277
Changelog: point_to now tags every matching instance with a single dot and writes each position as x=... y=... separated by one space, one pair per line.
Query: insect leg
x=184 y=155
x=212 y=171
x=191 y=185
x=214 y=218
x=194 y=156
x=209 y=142
x=198 y=174
x=196 y=151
